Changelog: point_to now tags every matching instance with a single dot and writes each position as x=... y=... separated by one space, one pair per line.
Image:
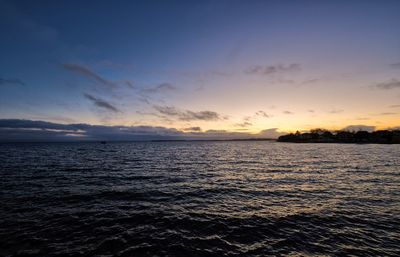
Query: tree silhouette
x=325 y=136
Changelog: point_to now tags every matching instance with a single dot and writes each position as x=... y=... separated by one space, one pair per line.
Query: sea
x=211 y=198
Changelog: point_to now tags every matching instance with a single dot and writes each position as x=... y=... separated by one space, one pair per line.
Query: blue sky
x=237 y=66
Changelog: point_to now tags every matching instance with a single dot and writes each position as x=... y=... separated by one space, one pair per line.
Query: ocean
x=199 y=199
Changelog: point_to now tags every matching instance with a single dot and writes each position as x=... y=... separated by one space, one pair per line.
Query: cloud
x=88 y=73
x=282 y=81
x=219 y=73
x=24 y=124
x=263 y=114
x=194 y=129
x=244 y=124
x=11 y=82
x=13 y=130
x=311 y=111
x=335 y=111
x=186 y=115
x=272 y=69
x=130 y=84
x=310 y=81
x=395 y=65
x=359 y=128
x=216 y=131
x=247 y=118
x=288 y=112
x=28 y=130
x=163 y=87
x=395 y=106
x=57 y=118
x=271 y=133
x=101 y=103
x=388 y=113
x=390 y=84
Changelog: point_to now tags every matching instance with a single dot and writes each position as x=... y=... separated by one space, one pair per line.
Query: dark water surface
x=199 y=199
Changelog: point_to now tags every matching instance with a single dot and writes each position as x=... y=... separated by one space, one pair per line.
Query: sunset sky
x=200 y=66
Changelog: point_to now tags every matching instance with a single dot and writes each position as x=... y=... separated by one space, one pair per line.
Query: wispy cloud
x=186 y=115
x=335 y=111
x=310 y=81
x=193 y=129
x=90 y=74
x=288 y=112
x=219 y=73
x=11 y=82
x=283 y=81
x=272 y=69
x=130 y=84
x=163 y=87
x=262 y=114
x=102 y=103
x=247 y=118
x=388 y=113
x=395 y=106
x=387 y=85
x=395 y=65
x=244 y=124
x=270 y=133
x=56 y=118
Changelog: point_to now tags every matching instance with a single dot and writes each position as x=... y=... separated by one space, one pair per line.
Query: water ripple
x=199 y=199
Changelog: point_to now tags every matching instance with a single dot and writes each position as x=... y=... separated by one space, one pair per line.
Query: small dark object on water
x=103 y=142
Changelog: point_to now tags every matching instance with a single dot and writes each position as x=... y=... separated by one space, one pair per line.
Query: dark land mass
x=325 y=136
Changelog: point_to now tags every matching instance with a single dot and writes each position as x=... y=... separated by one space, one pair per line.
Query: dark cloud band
x=186 y=115
x=102 y=103
x=88 y=73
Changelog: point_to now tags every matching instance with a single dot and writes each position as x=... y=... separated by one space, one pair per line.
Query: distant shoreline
x=144 y=141
x=345 y=137
x=314 y=136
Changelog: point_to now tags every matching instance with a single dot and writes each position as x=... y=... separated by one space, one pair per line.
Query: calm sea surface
x=199 y=199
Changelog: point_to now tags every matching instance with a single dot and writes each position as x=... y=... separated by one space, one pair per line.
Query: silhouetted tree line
x=326 y=136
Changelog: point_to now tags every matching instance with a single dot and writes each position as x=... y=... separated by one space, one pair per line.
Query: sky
x=200 y=69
